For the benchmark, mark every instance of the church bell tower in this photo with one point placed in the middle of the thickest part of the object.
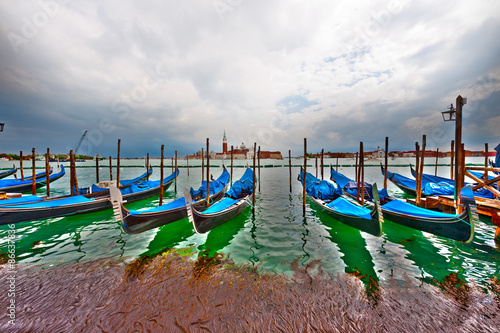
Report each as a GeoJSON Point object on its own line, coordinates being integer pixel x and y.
{"type": "Point", "coordinates": [224, 143]}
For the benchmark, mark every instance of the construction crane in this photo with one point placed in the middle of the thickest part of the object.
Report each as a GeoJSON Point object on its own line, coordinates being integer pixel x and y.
{"type": "Point", "coordinates": [80, 142]}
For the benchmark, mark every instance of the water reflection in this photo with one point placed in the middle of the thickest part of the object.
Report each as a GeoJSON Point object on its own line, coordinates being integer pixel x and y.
{"type": "Point", "coordinates": [352, 246]}
{"type": "Point", "coordinates": [219, 238]}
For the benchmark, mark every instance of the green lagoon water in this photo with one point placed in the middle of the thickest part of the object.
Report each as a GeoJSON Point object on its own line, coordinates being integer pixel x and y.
{"type": "Point", "coordinates": [272, 240]}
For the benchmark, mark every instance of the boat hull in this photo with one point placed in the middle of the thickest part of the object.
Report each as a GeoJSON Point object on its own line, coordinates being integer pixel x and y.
{"type": "Point", "coordinates": [12, 214]}
{"type": "Point", "coordinates": [373, 226]}
{"type": "Point", "coordinates": [203, 223]}
{"type": "Point", "coordinates": [137, 223]}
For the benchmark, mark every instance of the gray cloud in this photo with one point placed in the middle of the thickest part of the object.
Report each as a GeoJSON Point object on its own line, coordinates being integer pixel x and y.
{"type": "Point", "coordinates": [175, 73]}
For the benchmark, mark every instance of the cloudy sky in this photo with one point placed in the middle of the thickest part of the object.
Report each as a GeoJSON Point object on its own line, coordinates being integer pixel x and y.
{"type": "Point", "coordinates": [274, 72]}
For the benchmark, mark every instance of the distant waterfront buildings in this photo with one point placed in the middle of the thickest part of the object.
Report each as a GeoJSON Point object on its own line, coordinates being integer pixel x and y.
{"type": "Point", "coordinates": [239, 153]}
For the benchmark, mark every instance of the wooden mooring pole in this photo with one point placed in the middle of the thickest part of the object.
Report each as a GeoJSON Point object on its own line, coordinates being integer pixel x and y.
{"type": "Point", "coordinates": [187, 163]}
{"type": "Point", "coordinates": [33, 186]}
{"type": "Point", "coordinates": [97, 169]}
{"type": "Point", "coordinates": [290, 168]}
{"type": "Point", "coordinates": [208, 175]}
{"type": "Point", "coordinates": [485, 175]}
{"type": "Point", "coordinates": [417, 170]}
{"type": "Point", "coordinates": [322, 164]}
{"type": "Point", "coordinates": [175, 170]}
{"type": "Point", "coordinates": [110, 169]}
{"type": "Point", "coordinates": [452, 155]}
{"type": "Point", "coordinates": [258, 166]}
{"type": "Point", "coordinates": [386, 160]}
{"type": "Point", "coordinates": [118, 165]}
{"type": "Point", "coordinates": [21, 164]}
{"type": "Point", "coordinates": [161, 174]}
{"type": "Point", "coordinates": [253, 183]}
{"type": "Point", "coordinates": [362, 166]}
{"type": "Point", "coordinates": [47, 175]}
{"type": "Point", "coordinates": [232, 150]}
{"type": "Point", "coordinates": [71, 175]}
{"type": "Point", "coordinates": [316, 164]}
{"type": "Point", "coordinates": [358, 173]}
{"type": "Point", "coordinates": [458, 147]}
{"type": "Point", "coordinates": [147, 166]}
{"type": "Point", "coordinates": [421, 172]}
{"type": "Point", "coordinates": [202, 165]}
{"type": "Point", "coordinates": [305, 178]}
{"type": "Point", "coordinates": [437, 158]}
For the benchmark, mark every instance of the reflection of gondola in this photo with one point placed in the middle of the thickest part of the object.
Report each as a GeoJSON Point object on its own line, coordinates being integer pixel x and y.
{"type": "Point", "coordinates": [40, 239]}
{"type": "Point", "coordinates": [220, 237]}
{"type": "Point", "coordinates": [352, 245]}
{"type": "Point", "coordinates": [168, 236]}
{"type": "Point", "coordinates": [137, 221]}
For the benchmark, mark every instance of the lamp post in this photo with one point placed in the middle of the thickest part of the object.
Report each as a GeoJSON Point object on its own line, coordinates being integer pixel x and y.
{"type": "Point", "coordinates": [455, 114]}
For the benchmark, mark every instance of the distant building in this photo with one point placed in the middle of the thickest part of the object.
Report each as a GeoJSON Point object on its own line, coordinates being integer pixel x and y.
{"type": "Point", "coordinates": [241, 152]}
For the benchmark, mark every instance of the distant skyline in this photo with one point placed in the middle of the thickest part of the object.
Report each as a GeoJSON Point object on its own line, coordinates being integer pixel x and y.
{"type": "Point", "coordinates": [271, 72]}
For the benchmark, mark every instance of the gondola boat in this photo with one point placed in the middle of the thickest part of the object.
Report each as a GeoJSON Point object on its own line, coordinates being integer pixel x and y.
{"type": "Point", "coordinates": [94, 191]}
{"type": "Point", "coordinates": [22, 186]}
{"type": "Point", "coordinates": [71, 205]}
{"type": "Point", "coordinates": [101, 189]}
{"type": "Point", "coordinates": [330, 199]}
{"type": "Point", "coordinates": [407, 185]}
{"type": "Point", "coordinates": [7, 173]}
{"type": "Point", "coordinates": [431, 179]}
{"type": "Point", "coordinates": [458, 227]}
{"type": "Point", "coordinates": [137, 221]}
{"type": "Point", "coordinates": [236, 200]}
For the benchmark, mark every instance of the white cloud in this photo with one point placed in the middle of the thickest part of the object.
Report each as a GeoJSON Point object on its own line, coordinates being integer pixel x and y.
{"type": "Point", "coordinates": [178, 65]}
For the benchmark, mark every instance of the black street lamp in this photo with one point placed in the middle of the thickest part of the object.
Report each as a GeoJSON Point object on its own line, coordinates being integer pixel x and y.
{"type": "Point", "coordinates": [450, 114]}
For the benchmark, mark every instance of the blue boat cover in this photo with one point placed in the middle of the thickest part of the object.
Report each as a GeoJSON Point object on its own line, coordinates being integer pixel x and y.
{"type": "Point", "coordinates": [320, 189]}
{"type": "Point", "coordinates": [139, 186]}
{"type": "Point", "coordinates": [25, 198]}
{"type": "Point", "coordinates": [438, 189]}
{"type": "Point", "coordinates": [16, 182]}
{"type": "Point", "coordinates": [405, 181]}
{"type": "Point", "coordinates": [345, 206]}
{"type": "Point", "coordinates": [340, 178]}
{"type": "Point", "coordinates": [215, 186]}
{"type": "Point", "coordinates": [242, 187]}
{"type": "Point", "coordinates": [351, 187]}
{"type": "Point", "coordinates": [401, 207]}
{"type": "Point", "coordinates": [127, 182]}
{"type": "Point", "coordinates": [221, 205]}
{"type": "Point", "coordinates": [179, 203]}
{"type": "Point", "coordinates": [53, 203]}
